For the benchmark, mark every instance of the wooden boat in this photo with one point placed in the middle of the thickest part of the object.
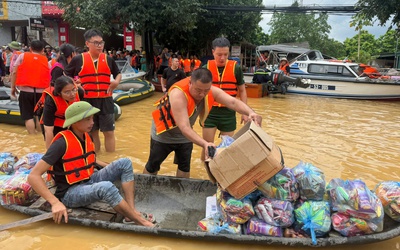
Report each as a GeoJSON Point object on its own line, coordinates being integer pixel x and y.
{"type": "Point", "coordinates": [10, 113]}
{"type": "Point", "coordinates": [178, 204]}
{"type": "Point", "coordinates": [330, 77]}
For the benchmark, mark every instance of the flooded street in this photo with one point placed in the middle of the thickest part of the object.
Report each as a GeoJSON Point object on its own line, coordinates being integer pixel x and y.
{"type": "Point", "coordinates": [345, 138]}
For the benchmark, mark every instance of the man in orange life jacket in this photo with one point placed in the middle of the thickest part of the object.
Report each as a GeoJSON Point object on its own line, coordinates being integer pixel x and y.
{"type": "Point", "coordinates": [70, 160]}
{"type": "Point", "coordinates": [93, 69]}
{"type": "Point", "coordinates": [284, 66]}
{"type": "Point", "coordinates": [228, 76]}
{"type": "Point", "coordinates": [176, 113]}
{"type": "Point", "coordinates": [31, 74]}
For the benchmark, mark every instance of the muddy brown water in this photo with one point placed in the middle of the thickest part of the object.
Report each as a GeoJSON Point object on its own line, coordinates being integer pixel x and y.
{"type": "Point", "coordinates": [345, 138]}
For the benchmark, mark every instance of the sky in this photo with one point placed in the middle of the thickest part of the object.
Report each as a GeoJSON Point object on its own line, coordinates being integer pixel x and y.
{"type": "Point", "coordinates": [340, 24]}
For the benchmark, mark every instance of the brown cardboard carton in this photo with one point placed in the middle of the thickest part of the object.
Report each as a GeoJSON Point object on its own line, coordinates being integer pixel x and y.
{"type": "Point", "coordinates": [249, 161]}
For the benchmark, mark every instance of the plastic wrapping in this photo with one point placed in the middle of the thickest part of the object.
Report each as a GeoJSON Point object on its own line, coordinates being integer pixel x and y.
{"type": "Point", "coordinates": [7, 162]}
{"type": "Point", "coordinates": [389, 194]}
{"type": "Point", "coordinates": [283, 186]}
{"type": "Point", "coordinates": [275, 212]}
{"type": "Point", "coordinates": [314, 218]}
{"type": "Point", "coordinates": [256, 226]}
{"type": "Point", "coordinates": [311, 181]}
{"type": "Point", "coordinates": [350, 226]}
{"type": "Point", "coordinates": [215, 224]}
{"type": "Point", "coordinates": [353, 198]}
{"type": "Point", "coordinates": [233, 210]}
{"type": "Point", "coordinates": [28, 161]}
{"type": "Point", "coordinates": [17, 190]}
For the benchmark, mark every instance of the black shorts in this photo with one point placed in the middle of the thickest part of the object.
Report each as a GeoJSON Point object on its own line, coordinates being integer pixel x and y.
{"type": "Point", "coordinates": [103, 122]}
{"type": "Point", "coordinates": [159, 151]}
{"type": "Point", "coordinates": [27, 102]}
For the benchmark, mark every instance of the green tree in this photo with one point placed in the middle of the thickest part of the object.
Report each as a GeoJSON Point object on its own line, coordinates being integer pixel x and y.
{"type": "Point", "coordinates": [367, 49]}
{"type": "Point", "coordinates": [382, 10]}
{"type": "Point", "coordinates": [359, 21]}
{"type": "Point", "coordinates": [387, 42]}
{"type": "Point", "coordinates": [299, 27]}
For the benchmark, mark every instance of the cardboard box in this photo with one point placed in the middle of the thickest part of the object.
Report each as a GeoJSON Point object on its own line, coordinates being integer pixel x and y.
{"type": "Point", "coordinates": [255, 90]}
{"type": "Point", "coordinates": [248, 162]}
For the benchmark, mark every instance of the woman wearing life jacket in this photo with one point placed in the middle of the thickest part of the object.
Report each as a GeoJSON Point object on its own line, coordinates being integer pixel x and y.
{"type": "Point", "coordinates": [284, 66]}
{"type": "Point", "coordinates": [57, 100]}
{"type": "Point", "coordinates": [67, 51]}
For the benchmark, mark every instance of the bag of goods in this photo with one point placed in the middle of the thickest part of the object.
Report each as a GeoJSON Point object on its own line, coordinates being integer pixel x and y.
{"type": "Point", "coordinates": [215, 224]}
{"type": "Point", "coordinates": [7, 162]}
{"type": "Point", "coordinates": [256, 226]}
{"type": "Point", "coordinates": [17, 190]}
{"type": "Point", "coordinates": [282, 186]}
{"type": "Point", "coordinates": [389, 194]}
{"type": "Point", "coordinates": [275, 212]}
{"type": "Point", "coordinates": [233, 210]}
{"type": "Point", "coordinates": [313, 217]}
{"type": "Point", "coordinates": [350, 226]}
{"type": "Point", "coordinates": [28, 161]}
{"type": "Point", "coordinates": [353, 198]}
{"type": "Point", "coordinates": [311, 181]}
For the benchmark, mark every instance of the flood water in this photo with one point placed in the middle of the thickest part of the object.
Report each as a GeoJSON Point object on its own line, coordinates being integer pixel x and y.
{"type": "Point", "coordinates": [345, 138]}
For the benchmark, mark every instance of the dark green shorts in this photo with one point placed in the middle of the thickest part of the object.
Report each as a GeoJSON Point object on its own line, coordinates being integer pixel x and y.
{"type": "Point", "coordinates": [223, 119]}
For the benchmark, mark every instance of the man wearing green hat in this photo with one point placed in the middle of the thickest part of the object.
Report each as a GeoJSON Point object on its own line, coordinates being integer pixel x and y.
{"type": "Point", "coordinates": [70, 160]}
{"type": "Point", "coordinates": [15, 48]}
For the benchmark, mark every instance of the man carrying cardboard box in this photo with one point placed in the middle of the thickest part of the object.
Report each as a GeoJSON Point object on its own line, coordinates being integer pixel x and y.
{"type": "Point", "coordinates": [177, 112]}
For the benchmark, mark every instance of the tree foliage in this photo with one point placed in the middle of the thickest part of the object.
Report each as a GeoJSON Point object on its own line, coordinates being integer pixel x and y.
{"type": "Point", "coordinates": [299, 27]}
{"type": "Point", "coordinates": [178, 24]}
{"type": "Point", "coordinates": [382, 10]}
{"type": "Point", "coordinates": [387, 43]}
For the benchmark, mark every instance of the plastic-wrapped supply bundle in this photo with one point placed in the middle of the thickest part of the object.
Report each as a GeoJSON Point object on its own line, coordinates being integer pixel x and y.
{"type": "Point", "coordinates": [256, 226]}
{"type": "Point", "coordinates": [28, 161]}
{"type": "Point", "coordinates": [311, 181]}
{"type": "Point", "coordinates": [7, 162]}
{"type": "Point", "coordinates": [353, 198]}
{"type": "Point", "coordinates": [389, 194]}
{"type": "Point", "coordinates": [216, 225]}
{"type": "Point", "coordinates": [17, 190]}
{"type": "Point", "coordinates": [275, 212]}
{"type": "Point", "coordinates": [350, 226]}
{"type": "Point", "coordinates": [283, 186]}
{"type": "Point", "coordinates": [233, 210]}
{"type": "Point", "coordinates": [314, 218]}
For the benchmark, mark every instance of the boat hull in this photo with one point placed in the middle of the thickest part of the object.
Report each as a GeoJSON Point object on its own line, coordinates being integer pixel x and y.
{"type": "Point", "coordinates": [178, 204]}
{"type": "Point", "coordinates": [347, 88]}
{"type": "Point", "coordinates": [133, 91]}
{"type": "Point", "coordinates": [10, 113]}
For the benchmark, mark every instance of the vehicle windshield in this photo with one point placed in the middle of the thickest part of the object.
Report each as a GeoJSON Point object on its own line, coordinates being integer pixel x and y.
{"type": "Point", "coordinates": [125, 67]}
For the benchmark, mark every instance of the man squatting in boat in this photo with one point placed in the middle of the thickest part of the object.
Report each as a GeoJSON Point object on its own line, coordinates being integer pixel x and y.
{"type": "Point", "coordinates": [71, 159]}
{"type": "Point", "coordinates": [177, 112]}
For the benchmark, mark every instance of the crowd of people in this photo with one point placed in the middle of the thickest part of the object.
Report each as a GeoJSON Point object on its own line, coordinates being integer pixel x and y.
{"type": "Point", "coordinates": [71, 92]}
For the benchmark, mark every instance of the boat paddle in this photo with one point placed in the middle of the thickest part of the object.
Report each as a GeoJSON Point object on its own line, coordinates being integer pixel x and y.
{"type": "Point", "coordinates": [37, 218]}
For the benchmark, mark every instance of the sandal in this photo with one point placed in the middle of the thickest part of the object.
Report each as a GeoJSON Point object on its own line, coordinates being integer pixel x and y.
{"type": "Point", "coordinates": [146, 216]}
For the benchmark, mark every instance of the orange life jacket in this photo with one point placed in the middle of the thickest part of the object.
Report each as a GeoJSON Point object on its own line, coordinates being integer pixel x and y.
{"type": "Point", "coordinates": [196, 64]}
{"type": "Point", "coordinates": [186, 65]}
{"type": "Point", "coordinates": [227, 81]}
{"type": "Point", "coordinates": [78, 162]}
{"type": "Point", "coordinates": [33, 71]}
{"type": "Point", "coordinates": [61, 106]}
{"type": "Point", "coordinates": [163, 117]}
{"type": "Point", "coordinates": [95, 81]}
{"type": "Point", "coordinates": [283, 68]}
